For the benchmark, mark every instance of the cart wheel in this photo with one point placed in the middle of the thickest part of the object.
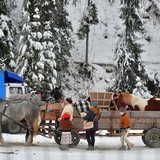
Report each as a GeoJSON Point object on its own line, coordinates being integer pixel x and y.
{"type": "Point", "coordinates": [143, 137]}
{"type": "Point", "coordinates": [57, 137]}
{"type": "Point", "coordinates": [75, 138]}
{"type": "Point", "coordinates": [152, 138]}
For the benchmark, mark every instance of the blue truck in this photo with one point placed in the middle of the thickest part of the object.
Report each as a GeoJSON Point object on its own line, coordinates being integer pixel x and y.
{"type": "Point", "coordinates": [11, 83]}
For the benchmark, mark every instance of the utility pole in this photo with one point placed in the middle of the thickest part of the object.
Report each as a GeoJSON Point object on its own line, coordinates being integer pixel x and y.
{"type": "Point", "coordinates": [87, 37]}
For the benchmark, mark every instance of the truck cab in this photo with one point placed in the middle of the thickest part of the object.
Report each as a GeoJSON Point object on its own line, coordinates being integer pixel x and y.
{"type": "Point", "coordinates": [15, 88]}
{"type": "Point", "coordinates": [11, 83]}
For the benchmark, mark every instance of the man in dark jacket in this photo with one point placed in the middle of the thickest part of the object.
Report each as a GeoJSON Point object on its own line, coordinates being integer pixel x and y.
{"type": "Point", "coordinates": [92, 115]}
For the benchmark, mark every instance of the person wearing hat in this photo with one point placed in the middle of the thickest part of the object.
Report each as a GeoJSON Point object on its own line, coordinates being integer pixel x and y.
{"type": "Point", "coordinates": [93, 114]}
{"type": "Point", "coordinates": [65, 125]}
{"type": "Point", "coordinates": [68, 107]}
{"type": "Point", "coordinates": [124, 129]}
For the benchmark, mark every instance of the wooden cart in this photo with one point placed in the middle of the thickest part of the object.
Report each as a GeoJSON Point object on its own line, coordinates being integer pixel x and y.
{"type": "Point", "coordinates": [49, 127]}
{"type": "Point", "coordinates": [148, 121]}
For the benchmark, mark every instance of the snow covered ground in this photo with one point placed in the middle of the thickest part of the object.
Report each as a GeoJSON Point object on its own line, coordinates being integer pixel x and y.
{"type": "Point", "coordinates": [106, 149]}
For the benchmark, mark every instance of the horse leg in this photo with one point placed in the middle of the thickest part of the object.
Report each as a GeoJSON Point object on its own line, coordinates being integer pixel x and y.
{"type": "Point", "coordinates": [29, 134]}
{"type": "Point", "coordinates": [1, 137]}
{"type": "Point", "coordinates": [33, 127]}
{"type": "Point", "coordinates": [136, 108]}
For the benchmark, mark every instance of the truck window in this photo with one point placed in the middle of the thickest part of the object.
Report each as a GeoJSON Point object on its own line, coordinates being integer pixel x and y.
{"type": "Point", "coordinates": [15, 90]}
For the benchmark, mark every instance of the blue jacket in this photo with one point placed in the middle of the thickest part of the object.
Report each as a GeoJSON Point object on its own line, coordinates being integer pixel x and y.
{"type": "Point", "coordinates": [90, 117]}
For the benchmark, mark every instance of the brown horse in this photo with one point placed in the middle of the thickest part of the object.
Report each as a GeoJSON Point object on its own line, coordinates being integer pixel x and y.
{"type": "Point", "coordinates": [153, 104]}
{"type": "Point", "coordinates": [57, 94]}
{"type": "Point", "coordinates": [137, 103]}
{"type": "Point", "coordinates": [21, 110]}
{"type": "Point", "coordinates": [132, 101]}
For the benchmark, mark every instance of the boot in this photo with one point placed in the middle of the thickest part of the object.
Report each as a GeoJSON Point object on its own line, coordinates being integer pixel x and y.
{"type": "Point", "coordinates": [122, 148]}
{"type": "Point", "coordinates": [130, 145]}
{"type": "Point", "coordinates": [63, 147]}
{"type": "Point", "coordinates": [90, 148]}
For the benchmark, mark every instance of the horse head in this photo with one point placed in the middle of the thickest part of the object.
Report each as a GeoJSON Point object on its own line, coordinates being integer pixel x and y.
{"type": "Point", "coordinates": [122, 99]}
{"type": "Point", "coordinates": [119, 100]}
{"type": "Point", "coordinates": [57, 94]}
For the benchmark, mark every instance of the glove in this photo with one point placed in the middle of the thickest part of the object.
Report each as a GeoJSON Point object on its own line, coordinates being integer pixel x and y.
{"type": "Point", "coordinates": [83, 114]}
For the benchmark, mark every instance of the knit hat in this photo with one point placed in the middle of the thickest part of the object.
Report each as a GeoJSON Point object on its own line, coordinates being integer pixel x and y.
{"type": "Point", "coordinates": [122, 109]}
{"type": "Point", "coordinates": [94, 104]}
{"type": "Point", "coordinates": [69, 100]}
{"type": "Point", "coordinates": [65, 116]}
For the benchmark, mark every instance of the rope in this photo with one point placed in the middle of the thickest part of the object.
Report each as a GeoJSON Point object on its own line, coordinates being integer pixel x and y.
{"type": "Point", "coordinates": [22, 125]}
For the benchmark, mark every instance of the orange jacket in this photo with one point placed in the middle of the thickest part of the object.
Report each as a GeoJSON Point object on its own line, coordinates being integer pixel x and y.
{"type": "Point", "coordinates": [124, 121]}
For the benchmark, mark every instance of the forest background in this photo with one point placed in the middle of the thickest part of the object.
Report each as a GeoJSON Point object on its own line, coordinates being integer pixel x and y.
{"type": "Point", "coordinates": [82, 45]}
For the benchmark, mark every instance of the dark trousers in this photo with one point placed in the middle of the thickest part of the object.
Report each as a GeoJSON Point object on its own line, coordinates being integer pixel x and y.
{"type": "Point", "coordinates": [90, 136]}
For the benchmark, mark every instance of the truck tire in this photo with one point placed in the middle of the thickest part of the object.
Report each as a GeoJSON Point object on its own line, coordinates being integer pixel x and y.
{"type": "Point", "coordinates": [75, 138]}
{"type": "Point", "coordinates": [143, 137]}
{"type": "Point", "coordinates": [152, 138]}
{"type": "Point", "coordinates": [13, 128]}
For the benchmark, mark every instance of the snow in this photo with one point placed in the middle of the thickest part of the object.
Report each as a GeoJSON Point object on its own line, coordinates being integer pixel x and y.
{"type": "Point", "coordinates": [1, 33]}
{"type": "Point", "coordinates": [102, 41]}
{"type": "Point", "coordinates": [100, 48]}
{"type": "Point", "coordinates": [44, 148]}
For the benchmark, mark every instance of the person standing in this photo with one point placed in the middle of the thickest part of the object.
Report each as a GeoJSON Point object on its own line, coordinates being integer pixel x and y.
{"type": "Point", "coordinates": [68, 107]}
{"type": "Point", "coordinates": [124, 129]}
{"type": "Point", "coordinates": [65, 125]}
{"type": "Point", "coordinates": [92, 115]}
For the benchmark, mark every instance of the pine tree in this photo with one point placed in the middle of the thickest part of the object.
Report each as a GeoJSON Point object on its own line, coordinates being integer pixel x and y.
{"type": "Point", "coordinates": [89, 18]}
{"type": "Point", "coordinates": [36, 58]}
{"type": "Point", "coordinates": [63, 42]}
{"type": "Point", "coordinates": [128, 49]}
{"type": "Point", "coordinates": [7, 34]}
{"type": "Point", "coordinates": [45, 43]}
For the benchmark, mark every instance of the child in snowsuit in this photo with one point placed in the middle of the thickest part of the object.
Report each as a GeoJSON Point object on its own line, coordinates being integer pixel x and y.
{"type": "Point", "coordinates": [124, 129]}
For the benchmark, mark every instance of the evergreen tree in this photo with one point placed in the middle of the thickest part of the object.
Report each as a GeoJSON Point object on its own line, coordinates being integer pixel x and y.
{"type": "Point", "coordinates": [45, 43]}
{"type": "Point", "coordinates": [7, 34]}
{"type": "Point", "coordinates": [63, 42]}
{"type": "Point", "coordinates": [36, 58]}
{"type": "Point", "coordinates": [89, 18]}
{"type": "Point", "coordinates": [128, 50]}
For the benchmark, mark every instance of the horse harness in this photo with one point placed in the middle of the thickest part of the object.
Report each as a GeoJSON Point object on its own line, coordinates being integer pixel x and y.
{"type": "Point", "coordinates": [3, 114]}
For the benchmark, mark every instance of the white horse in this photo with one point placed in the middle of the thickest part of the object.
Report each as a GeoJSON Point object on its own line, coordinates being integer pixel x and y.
{"type": "Point", "coordinates": [131, 100]}
{"type": "Point", "coordinates": [21, 110]}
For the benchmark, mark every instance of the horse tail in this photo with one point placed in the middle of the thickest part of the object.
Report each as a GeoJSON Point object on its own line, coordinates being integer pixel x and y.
{"type": "Point", "coordinates": [36, 124]}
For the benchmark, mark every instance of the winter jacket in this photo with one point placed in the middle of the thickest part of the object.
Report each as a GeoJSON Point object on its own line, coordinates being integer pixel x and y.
{"type": "Point", "coordinates": [124, 121]}
{"type": "Point", "coordinates": [68, 108]}
{"type": "Point", "coordinates": [93, 115]}
{"type": "Point", "coordinates": [65, 125]}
